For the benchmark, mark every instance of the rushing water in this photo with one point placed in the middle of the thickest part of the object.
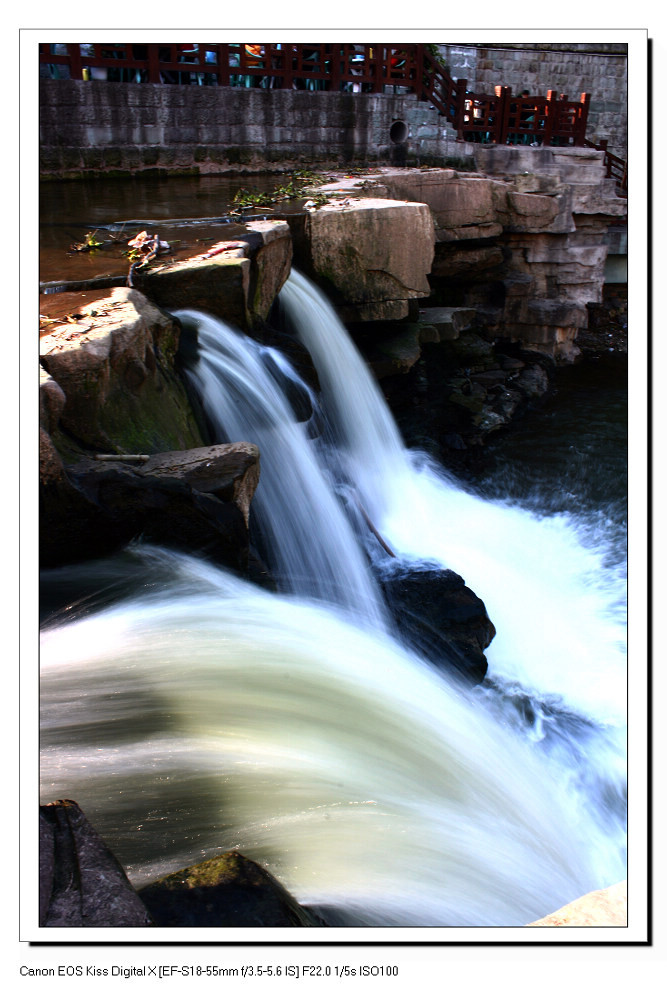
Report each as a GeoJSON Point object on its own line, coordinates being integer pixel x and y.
{"type": "Point", "coordinates": [192, 712]}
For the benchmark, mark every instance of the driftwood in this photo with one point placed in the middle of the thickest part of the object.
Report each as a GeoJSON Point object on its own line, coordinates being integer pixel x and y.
{"type": "Point", "coordinates": [122, 458]}
{"type": "Point", "coordinates": [370, 524]}
{"type": "Point", "coordinates": [88, 284]}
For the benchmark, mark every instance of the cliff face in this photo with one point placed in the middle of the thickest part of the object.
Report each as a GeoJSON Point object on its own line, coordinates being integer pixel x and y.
{"type": "Point", "coordinates": [522, 241]}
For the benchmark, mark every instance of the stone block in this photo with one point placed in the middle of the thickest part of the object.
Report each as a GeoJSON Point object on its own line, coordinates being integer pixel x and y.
{"type": "Point", "coordinates": [359, 249]}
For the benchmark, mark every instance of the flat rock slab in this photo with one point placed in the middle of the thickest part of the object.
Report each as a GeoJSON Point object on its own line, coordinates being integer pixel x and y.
{"type": "Point", "coordinates": [235, 280]}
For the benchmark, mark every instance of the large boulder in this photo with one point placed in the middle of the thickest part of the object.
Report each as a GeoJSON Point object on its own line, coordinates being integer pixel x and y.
{"type": "Point", "coordinates": [81, 884]}
{"type": "Point", "coordinates": [439, 617]}
{"type": "Point", "coordinates": [117, 388]}
{"type": "Point", "coordinates": [373, 256]}
{"type": "Point", "coordinates": [226, 891]}
{"type": "Point", "coordinates": [217, 284]}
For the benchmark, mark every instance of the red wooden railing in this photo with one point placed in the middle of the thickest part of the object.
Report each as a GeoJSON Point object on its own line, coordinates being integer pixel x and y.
{"type": "Point", "coordinates": [500, 117]}
{"type": "Point", "coordinates": [614, 165]}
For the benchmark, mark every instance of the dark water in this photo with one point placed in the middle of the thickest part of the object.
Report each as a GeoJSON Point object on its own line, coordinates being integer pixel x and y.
{"type": "Point", "coordinates": [575, 441]}
{"type": "Point", "coordinates": [70, 210]}
{"type": "Point", "coordinates": [570, 454]}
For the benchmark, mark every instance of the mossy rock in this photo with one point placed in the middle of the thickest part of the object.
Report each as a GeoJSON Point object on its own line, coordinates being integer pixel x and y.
{"type": "Point", "coordinates": [226, 891]}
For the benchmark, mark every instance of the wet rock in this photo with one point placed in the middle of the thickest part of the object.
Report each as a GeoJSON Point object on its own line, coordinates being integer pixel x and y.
{"type": "Point", "coordinates": [227, 891]}
{"type": "Point", "coordinates": [532, 381]}
{"type": "Point", "coordinates": [439, 617]}
{"type": "Point", "coordinates": [81, 884]}
{"type": "Point", "coordinates": [196, 500]}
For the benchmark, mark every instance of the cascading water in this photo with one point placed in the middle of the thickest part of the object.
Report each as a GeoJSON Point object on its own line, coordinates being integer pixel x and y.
{"type": "Point", "coordinates": [312, 547]}
{"type": "Point", "coordinates": [200, 714]}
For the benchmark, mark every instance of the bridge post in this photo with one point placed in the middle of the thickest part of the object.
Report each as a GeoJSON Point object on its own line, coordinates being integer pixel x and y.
{"type": "Point", "coordinates": [459, 113]}
{"type": "Point", "coordinates": [153, 63]}
{"type": "Point", "coordinates": [551, 116]}
{"type": "Point", "coordinates": [335, 64]}
{"type": "Point", "coordinates": [419, 70]}
{"type": "Point", "coordinates": [582, 120]}
{"type": "Point", "coordinates": [75, 62]}
{"type": "Point", "coordinates": [502, 117]}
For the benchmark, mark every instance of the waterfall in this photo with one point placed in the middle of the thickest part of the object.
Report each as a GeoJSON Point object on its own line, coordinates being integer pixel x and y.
{"type": "Point", "coordinates": [365, 436]}
{"type": "Point", "coordinates": [197, 713]}
{"type": "Point", "coordinates": [310, 542]}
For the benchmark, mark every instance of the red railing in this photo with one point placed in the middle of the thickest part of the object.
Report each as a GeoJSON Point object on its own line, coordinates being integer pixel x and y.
{"type": "Point", "coordinates": [503, 118]}
{"type": "Point", "coordinates": [614, 165]}
{"type": "Point", "coordinates": [496, 118]}
{"type": "Point", "coordinates": [334, 66]}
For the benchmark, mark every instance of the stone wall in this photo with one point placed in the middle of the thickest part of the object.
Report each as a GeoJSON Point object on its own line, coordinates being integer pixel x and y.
{"type": "Point", "coordinates": [124, 128]}
{"type": "Point", "coordinates": [117, 127]}
{"type": "Point", "coordinates": [600, 70]}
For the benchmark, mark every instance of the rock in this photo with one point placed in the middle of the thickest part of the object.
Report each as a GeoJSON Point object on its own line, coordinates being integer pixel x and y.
{"type": "Point", "coordinates": [116, 372]}
{"type": "Point", "coordinates": [439, 617]}
{"type": "Point", "coordinates": [448, 321]}
{"type": "Point", "coordinates": [227, 891]}
{"type": "Point", "coordinates": [270, 265]}
{"type": "Point", "coordinates": [218, 285]}
{"type": "Point", "coordinates": [452, 260]}
{"type": "Point", "coordinates": [229, 472]}
{"type": "Point", "coordinates": [71, 527]}
{"type": "Point", "coordinates": [238, 284]}
{"type": "Point", "coordinates": [531, 212]}
{"type": "Point", "coordinates": [399, 353]}
{"type": "Point", "coordinates": [532, 225]}
{"type": "Point", "coordinates": [456, 200]}
{"type": "Point", "coordinates": [196, 500]}
{"type": "Point", "coordinates": [532, 381]}
{"type": "Point", "coordinates": [372, 256]}
{"type": "Point", "coordinates": [601, 908]}
{"type": "Point", "coordinates": [51, 401]}
{"type": "Point", "coordinates": [81, 884]}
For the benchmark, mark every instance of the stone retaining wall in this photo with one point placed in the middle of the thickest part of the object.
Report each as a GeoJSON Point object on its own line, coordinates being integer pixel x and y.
{"type": "Point", "coordinates": [120, 128]}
